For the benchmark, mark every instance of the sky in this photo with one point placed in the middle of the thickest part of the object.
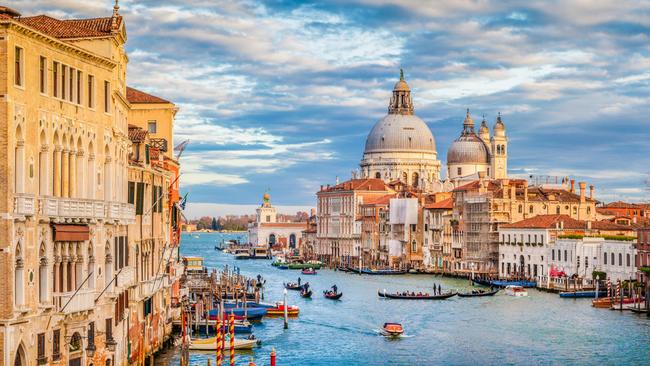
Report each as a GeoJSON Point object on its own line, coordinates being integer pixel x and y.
{"type": "Point", "coordinates": [279, 96]}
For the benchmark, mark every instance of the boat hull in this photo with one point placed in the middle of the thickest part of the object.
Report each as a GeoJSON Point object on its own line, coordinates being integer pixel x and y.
{"type": "Point", "coordinates": [416, 297]}
{"type": "Point", "coordinates": [581, 294]}
{"type": "Point", "coordinates": [210, 344]}
{"type": "Point", "coordinates": [487, 293]}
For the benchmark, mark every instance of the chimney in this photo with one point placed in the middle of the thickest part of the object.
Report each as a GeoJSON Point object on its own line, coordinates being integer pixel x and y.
{"type": "Point", "coordinates": [337, 180]}
{"type": "Point", "coordinates": [573, 186]}
{"type": "Point", "coordinates": [116, 14]}
{"type": "Point", "coordinates": [591, 191]}
{"type": "Point", "coordinates": [481, 175]}
{"type": "Point", "coordinates": [525, 191]}
{"type": "Point", "coordinates": [321, 187]}
{"type": "Point", "coordinates": [583, 187]}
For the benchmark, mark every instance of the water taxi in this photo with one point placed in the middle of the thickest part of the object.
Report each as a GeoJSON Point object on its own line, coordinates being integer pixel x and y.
{"type": "Point", "coordinates": [292, 310]}
{"type": "Point", "coordinates": [210, 344]}
{"type": "Point", "coordinates": [242, 253]}
{"type": "Point", "coordinates": [392, 330]}
{"type": "Point", "coordinates": [260, 253]}
{"type": "Point", "coordinates": [517, 291]}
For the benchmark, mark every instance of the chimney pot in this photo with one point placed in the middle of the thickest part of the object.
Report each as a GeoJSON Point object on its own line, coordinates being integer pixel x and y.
{"type": "Point", "coordinates": [591, 191]}
{"type": "Point", "coordinates": [583, 186]}
{"type": "Point", "coordinates": [573, 186]}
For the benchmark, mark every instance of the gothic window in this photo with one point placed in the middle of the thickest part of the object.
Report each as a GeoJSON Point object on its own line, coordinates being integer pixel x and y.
{"type": "Point", "coordinates": [557, 210]}
{"type": "Point", "coordinates": [42, 274]}
{"type": "Point", "coordinates": [530, 209]}
{"type": "Point", "coordinates": [605, 258]}
{"type": "Point", "coordinates": [416, 178]}
{"type": "Point", "coordinates": [612, 259]}
{"type": "Point", "coordinates": [498, 149]}
{"type": "Point", "coordinates": [405, 178]}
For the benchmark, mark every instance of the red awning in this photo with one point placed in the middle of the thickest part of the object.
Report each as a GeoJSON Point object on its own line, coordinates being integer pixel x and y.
{"type": "Point", "coordinates": [71, 232]}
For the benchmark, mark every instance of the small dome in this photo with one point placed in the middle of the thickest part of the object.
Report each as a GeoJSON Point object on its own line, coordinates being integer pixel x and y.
{"type": "Point", "coordinates": [266, 197]}
{"type": "Point", "coordinates": [484, 128]}
{"type": "Point", "coordinates": [401, 86]}
{"type": "Point", "coordinates": [399, 132]}
{"type": "Point", "coordinates": [499, 127]}
{"type": "Point", "coordinates": [468, 149]}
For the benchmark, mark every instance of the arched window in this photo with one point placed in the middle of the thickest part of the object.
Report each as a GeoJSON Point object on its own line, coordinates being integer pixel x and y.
{"type": "Point", "coordinates": [521, 209]}
{"type": "Point", "coordinates": [416, 179]}
{"type": "Point", "coordinates": [90, 172]}
{"type": "Point", "coordinates": [460, 171]}
{"type": "Point", "coordinates": [566, 257]}
{"type": "Point", "coordinates": [272, 239]}
{"type": "Point", "coordinates": [107, 174]}
{"type": "Point", "coordinates": [405, 178]}
{"type": "Point", "coordinates": [620, 259]}
{"type": "Point", "coordinates": [503, 149]}
{"type": "Point", "coordinates": [19, 284]}
{"type": "Point", "coordinates": [42, 166]}
{"type": "Point", "coordinates": [627, 260]}
{"type": "Point", "coordinates": [42, 274]}
{"type": "Point", "coordinates": [20, 359]}
{"type": "Point", "coordinates": [91, 266]}
{"type": "Point", "coordinates": [498, 149]}
{"type": "Point", "coordinates": [605, 258]}
{"type": "Point", "coordinates": [557, 210]}
{"type": "Point", "coordinates": [378, 175]}
{"type": "Point", "coordinates": [612, 259]}
{"type": "Point", "coordinates": [530, 209]}
{"type": "Point", "coordinates": [56, 166]}
{"type": "Point", "coordinates": [108, 266]}
{"type": "Point", "coordinates": [292, 241]}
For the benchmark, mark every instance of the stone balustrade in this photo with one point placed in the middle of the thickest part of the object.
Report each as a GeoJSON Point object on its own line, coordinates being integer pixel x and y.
{"type": "Point", "coordinates": [83, 208]}
{"type": "Point", "coordinates": [24, 204]}
{"type": "Point", "coordinates": [126, 277]}
{"type": "Point", "coordinates": [69, 302]}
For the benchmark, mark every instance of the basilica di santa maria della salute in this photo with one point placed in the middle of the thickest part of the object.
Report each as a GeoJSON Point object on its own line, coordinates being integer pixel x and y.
{"type": "Point", "coordinates": [402, 147]}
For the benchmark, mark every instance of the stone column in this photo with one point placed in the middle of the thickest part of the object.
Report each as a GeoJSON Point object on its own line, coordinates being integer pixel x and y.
{"type": "Point", "coordinates": [72, 179]}
{"type": "Point", "coordinates": [64, 263]}
{"type": "Point", "coordinates": [55, 275]}
{"type": "Point", "coordinates": [65, 173]}
{"type": "Point", "coordinates": [57, 172]}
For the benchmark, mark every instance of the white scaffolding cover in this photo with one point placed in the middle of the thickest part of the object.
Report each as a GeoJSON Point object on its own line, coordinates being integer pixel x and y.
{"type": "Point", "coordinates": [394, 248]}
{"type": "Point", "coordinates": [404, 211]}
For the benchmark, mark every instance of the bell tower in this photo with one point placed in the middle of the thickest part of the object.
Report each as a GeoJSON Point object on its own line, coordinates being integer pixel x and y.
{"type": "Point", "coordinates": [499, 147]}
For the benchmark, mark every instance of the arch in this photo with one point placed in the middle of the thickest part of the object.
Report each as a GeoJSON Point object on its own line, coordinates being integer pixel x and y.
{"type": "Point", "coordinates": [43, 181]}
{"type": "Point", "coordinates": [498, 149]}
{"type": "Point", "coordinates": [292, 241]}
{"type": "Point", "coordinates": [520, 209]}
{"type": "Point", "coordinates": [378, 175]}
{"type": "Point", "coordinates": [42, 274]}
{"type": "Point", "coordinates": [272, 240]}
{"type": "Point", "coordinates": [557, 209]}
{"type": "Point", "coordinates": [108, 265]}
{"type": "Point", "coordinates": [405, 178]}
{"type": "Point", "coordinates": [19, 284]}
{"type": "Point", "coordinates": [416, 179]}
{"type": "Point", "coordinates": [20, 358]}
{"type": "Point", "coordinates": [91, 266]}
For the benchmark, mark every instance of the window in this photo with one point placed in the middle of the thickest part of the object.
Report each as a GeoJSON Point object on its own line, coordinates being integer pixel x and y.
{"type": "Point", "coordinates": [91, 91]}
{"type": "Point", "coordinates": [151, 126]}
{"type": "Point", "coordinates": [18, 70]}
{"type": "Point", "coordinates": [586, 262]}
{"type": "Point", "coordinates": [91, 335]}
{"type": "Point", "coordinates": [139, 203]}
{"type": "Point", "coordinates": [109, 330]}
{"type": "Point", "coordinates": [460, 170]}
{"type": "Point", "coordinates": [79, 80]}
{"type": "Point", "coordinates": [605, 258]}
{"type": "Point", "coordinates": [131, 194]}
{"type": "Point", "coordinates": [553, 254]}
{"type": "Point", "coordinates": [566, 257]}
{"type": "Point", "coordinates": [414, 246]}
{"type": "Point", "coordinates": [530, 209]}
{"type": "Point", "coordinates": [63, 80]}
{"type": "Point", "coordinates": [55, 79]}
{"type": "Point", "coordinates": [107, 97]}
{"type": "Point", "coordinates": [56, 345]}
{"type": "Point", "coordinates": [612, 258]}
{"type": "Point", "coordinates": [378, 175]}
{"type": "Point", "coordinates": [72, 84]}
{"type": "Point", "coordinates": [557, 210]}
{"type": "Point", "coordinates": [42, 72]}
{"type": "Point", "coordinates": [41, 360]}
{"type": "Point", "coordinates": [146, 153]}
{"type": "Point", "coordinates": [620, 259]}
{"type": "Point", "coordinates": [627, 260]}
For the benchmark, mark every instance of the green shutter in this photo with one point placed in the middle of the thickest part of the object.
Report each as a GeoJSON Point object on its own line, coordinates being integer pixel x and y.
{"type": "Point", "coordinates": [139, 204]}
{"type": "Point", "coordinates": [146, 153]}
{"type": "Point", "coordinates": [131, 192]}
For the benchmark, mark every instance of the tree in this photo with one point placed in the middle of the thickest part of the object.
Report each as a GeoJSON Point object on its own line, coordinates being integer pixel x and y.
{"type": "Point", "coordinates": [215, 224]}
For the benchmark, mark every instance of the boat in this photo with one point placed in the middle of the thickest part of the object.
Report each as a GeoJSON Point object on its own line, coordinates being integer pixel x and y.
{"type": "Point", "coordinates": [392, 330]}
{"type": "Point", "coordinates": [284, 266]}
{"type": "Point", "coordinates": [582, 294]}
{"type": "Point", "coordinates": [231, 296]}
{"type": "Point", "coordinates": [479, 293]}
{"type": "Point", "coordinates": [279, 263]}
{"type": "Point", "coordinates": [516, 291]}
{"type": "Point", "coordinates": [241, 326]}
{"type": "Point", "coordinates": [308, 271]}
{"type": "Point", "coordinates": [249, 313]}
{"type": "Point", "coordinates": [305, 294]}
{"type": "Point", "coordinates": [342, 269]}
{"type": "Point", "coordinates": [385, 272]}
{"type": "Point", "coordinates": [242, 254]}
{"type": "Point", "coordinates": [303, 266]}
{"type": "Point", "coordinates": [504, 283]}
{"type": "Point", "coordinates": [259, 253]}
{"type": "Point", "coordinates": [292, 310]}
{"type": "Point", "coordinates": [210, 344]}
{"type": "Point", "coordinates": [249, 304]}
{"type": "Point", "coordinates": [292, 286]}
{"type": "Point", "coordinates": [332, 295]}
{"type": "Point", "coordinates": [419, 296]}
{"type": "Point", "coordinates": [607, 302]}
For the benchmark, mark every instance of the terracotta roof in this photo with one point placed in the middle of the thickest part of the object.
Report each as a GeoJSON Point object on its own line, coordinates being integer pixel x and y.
{"type": "Point", "coordinates": [372, 184]}
{"type": "Point", "coordinates": [446, 204]}
{"type": "Point", "coordinates": [546, 222]}
{"type": "Point", "coordinates": [609, 225]}
{"type": "Point", "coordinates": [71, 28]}
{"type": "Point", "coordinates": [137, 134]}
{"type": "Point", "coordinates": [383, 200]}
{"type": "Point", "coordinates": [136, 96]}
{"type": "Point", "coordinates": [621, 204]}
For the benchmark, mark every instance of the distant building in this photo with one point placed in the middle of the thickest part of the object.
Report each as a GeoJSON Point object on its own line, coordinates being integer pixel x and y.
{"type": "Point", "coordinates": [643, 254]}
{"type": "Point", "coordinates": [439, 235]}
{"type": "Point", "coordinates": [269, 232]}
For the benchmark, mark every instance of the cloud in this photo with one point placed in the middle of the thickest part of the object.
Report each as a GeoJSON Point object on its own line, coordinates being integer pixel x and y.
{"type": "Point", "coordinates": [198, 209]}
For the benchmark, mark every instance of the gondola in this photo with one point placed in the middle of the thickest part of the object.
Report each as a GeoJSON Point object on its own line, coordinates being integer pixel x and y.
{"type": "Point", "coordinates": [342, 269]}
{"type": "Point", "coordinates": [305, 294]}
{"type": "Point", "coordinates": [481, 282]}
{"type": "Point", "coordinates": [331, 295]}
{"type": "Point", "coordinates": [418, 297]}
{"type": "Point", "coordinates": [379, 272]}
{"type": "Point", "coordinates": [479, 293]}
{"type": "Point", "coordinates": [293, 286]}
{"type": "Point", "coordinates": [230, 296]}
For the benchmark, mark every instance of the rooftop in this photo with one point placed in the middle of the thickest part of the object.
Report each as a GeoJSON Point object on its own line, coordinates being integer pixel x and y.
{"type": "Point", "coordinates": [446, 204]}
{"type": "Point", "coordinates": [72, 28]}
{"type": "Point", "coordinates": [135, 96]}
{"type": "Point", "coordinates": [371, 184]}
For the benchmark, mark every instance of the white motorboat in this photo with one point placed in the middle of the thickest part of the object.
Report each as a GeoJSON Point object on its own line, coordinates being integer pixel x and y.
{"type": "Point", "coordinates": [210, 344]}
{"type": "Point", "coordinates": [516, 291]}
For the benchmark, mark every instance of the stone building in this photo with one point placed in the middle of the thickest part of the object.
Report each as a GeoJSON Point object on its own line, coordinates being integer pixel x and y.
{"type": "Point", "coordinates": [439, 235]}
{"type": "Point", "coordinates": [268, 231]}
{"type": "Point", "coordinates": [374, 215]}
{"type": "Point", "coordinates": [339, 219]}
{"type": "Point", "coordinates": [401, 146]}
{"type": "Point", "coordinates": [68, 267]}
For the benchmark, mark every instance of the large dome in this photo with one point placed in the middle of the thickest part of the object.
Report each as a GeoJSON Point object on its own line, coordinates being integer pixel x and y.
{"type": "Point", "coordinates": [468, 149]}
{"type": "Point", "coordinates": [400, 132]}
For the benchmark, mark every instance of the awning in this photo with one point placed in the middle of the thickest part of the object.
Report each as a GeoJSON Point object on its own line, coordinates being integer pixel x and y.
{"type": "Point", "coordinates": [71, 232]}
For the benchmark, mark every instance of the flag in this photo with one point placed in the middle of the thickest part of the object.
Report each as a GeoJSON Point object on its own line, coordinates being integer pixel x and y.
{"type": "Point", "coordinates": [183, 201]}
{"type": "Point", "coordinates": [180, 148]}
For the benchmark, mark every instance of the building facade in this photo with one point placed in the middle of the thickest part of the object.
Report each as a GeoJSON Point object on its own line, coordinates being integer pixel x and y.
{"type": "Point", "coordinates": [267, 231]}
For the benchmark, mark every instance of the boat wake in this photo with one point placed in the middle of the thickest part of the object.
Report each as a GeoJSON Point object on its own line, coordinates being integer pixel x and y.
{"type": "Point", "coordinates": [378, 332]}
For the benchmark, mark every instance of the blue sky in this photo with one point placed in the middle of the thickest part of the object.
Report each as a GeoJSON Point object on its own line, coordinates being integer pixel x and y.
{"type": "Point", "coordinates": [280, 95]}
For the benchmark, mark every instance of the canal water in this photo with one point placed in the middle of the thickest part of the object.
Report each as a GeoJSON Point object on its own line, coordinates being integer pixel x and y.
{"type": "Point", "coordinates": [540, 329]}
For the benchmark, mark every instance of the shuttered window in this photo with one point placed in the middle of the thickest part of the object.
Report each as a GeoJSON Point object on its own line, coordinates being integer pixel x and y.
{"type": "Point", "coordinates": [132, 192]}
{"type": "Point", "coordinates": [139, 203]}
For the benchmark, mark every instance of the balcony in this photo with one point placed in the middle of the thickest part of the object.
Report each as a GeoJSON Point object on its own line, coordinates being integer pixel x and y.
{"type": "Point", "coordinates": [126, 277]}
{"type": "Point", "coordinates": [159, 143]}
{"type": "Point", "coordinates": [84, 300]}
{"type": "Point", "coordinates": [24, 204]}
{"type": "Point", "coordinates": [78, 209]}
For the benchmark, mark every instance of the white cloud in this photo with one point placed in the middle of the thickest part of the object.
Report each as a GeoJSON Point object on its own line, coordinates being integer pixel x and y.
{"type": "Point", "coordinates": [198, 209]}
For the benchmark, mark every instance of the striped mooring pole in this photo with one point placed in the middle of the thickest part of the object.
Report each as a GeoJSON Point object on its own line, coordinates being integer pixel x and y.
{"type": "Point", "coordinates": [232, 338]}
{"type": "Point", "coordinates": [218, 331]}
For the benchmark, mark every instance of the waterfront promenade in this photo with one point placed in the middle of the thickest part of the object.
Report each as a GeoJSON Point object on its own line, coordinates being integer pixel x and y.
{"type": "Point", "coordinates": [540, 329]}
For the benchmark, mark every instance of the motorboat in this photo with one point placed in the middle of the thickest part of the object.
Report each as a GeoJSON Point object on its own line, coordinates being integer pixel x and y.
{"type": "Point", "coordinates": [582, 294]}
{"type": "Point", "coordinates": [259, 253]}
{"type": "Point", "coordinates": [249, 313]}
{"type": "Point", "coordinates": [210, 344]}
{"type": "Point", "coordinates": [503, 283]}
{"type": "Point", "coordinates": [392, 330]}
{"type": "Point", "coordinates": [292, 310]}
{"type": "Point", "coordinates": [308, 271]}
{"type": "Point", "coordinates": [283, 266]}
{"type": "Point", "coordinates": [415, 296]}
{"type": "Point", "coordinates": [607, 302]}
{"type": "Point", "coordinates": [517, 291]}
{"type": "Point", "coordinates": [242, 254]}
{"type": "Point", "coordinates": [332, 295]}
{"type": "Point", "coordinates": [479, 293]}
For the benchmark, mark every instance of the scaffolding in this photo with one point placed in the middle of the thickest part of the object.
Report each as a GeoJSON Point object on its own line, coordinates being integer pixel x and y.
{"type": "Point", "coordinates": [481, 237]}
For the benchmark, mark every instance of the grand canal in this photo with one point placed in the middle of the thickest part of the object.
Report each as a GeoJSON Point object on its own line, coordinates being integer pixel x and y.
{"type": "Point", "coordinates": [540, 329]}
